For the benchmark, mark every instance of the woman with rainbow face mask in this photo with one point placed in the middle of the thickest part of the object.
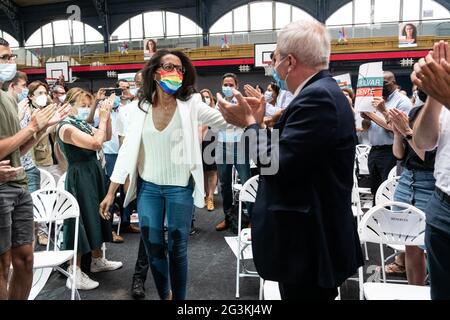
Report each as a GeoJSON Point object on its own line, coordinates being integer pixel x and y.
{"type": "Point", "coordinates": [162, 158]}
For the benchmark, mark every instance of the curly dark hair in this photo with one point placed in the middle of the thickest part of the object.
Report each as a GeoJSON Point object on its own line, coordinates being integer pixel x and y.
{"type": "Point", "coordinates": [148, 77]}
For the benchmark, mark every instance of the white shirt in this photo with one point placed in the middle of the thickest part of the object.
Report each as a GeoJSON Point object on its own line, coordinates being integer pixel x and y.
{"type": "Point", "coordinates": [284, 98]}
{"type": "Point", "coordinates": [122, 120]}
{"type": "Point", "coordinates": [193, 113]}
{"type": "Point", "coordinates": [300, 87]}
{"type": "Point", "coordinates": [442, 163]}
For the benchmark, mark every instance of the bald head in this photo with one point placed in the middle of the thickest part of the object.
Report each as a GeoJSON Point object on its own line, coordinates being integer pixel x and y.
{"type": "Point", "coordinates": [389, 84]}
{"type": "Point", "coordinates": [389, 76]}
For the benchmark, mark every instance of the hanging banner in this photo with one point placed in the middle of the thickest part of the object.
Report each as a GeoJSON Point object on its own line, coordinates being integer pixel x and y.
{"type": "Point", "coordinates": [370, 85]}
{"type": "Point", "coordinates": [149, 48]}
{"type": "Point", "coordinates": [407, 36]}
{"type": "Point", "coordinates": [344, 81]}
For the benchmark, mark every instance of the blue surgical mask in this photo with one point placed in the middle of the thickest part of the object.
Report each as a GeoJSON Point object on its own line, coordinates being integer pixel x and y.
{"type": "Point", "coordinates": [83, 113]}
{"type": "Point", "coordinates": [21, 96]}
{"type": "Point", "coordinates": [268, 96]}
{"type": "Point", "coordinates": [227, 91]}
{"type": "Point", "coordinates": [281, 83]}
{"type": "Point", "coordinates": [7, 71]}
{"type": "Point", "coordinates": [134, 91]}
{"type": "Point", "coordinates": [116, 102]}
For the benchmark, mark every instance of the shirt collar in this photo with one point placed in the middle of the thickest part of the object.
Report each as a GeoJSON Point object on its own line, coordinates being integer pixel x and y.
{"type": "Point", "coordinates": [300, 87]}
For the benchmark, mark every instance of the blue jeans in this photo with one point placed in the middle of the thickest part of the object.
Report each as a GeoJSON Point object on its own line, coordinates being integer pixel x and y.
{"type": "Point", "coordinates": [437, 241]}
{"type": "Point", "coordinates": [125, 213]}
{"type": "Point", "coordinates": [34, 179]}
{"type": "Point", "coordinates": [154, 203]}
{"type": "Point", "coordinates": [242, 165]}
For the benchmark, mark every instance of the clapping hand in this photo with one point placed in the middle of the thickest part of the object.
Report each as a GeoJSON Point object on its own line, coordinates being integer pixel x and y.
{"type": "Point", "coordinates": [246, 112]}
{"type": "Point", "coordinates": [252, 92]}
{"type": "Point", "coordinates": [400, 122]}
{"type": "Point", "coordinates": [432, 73]}
{"type": "Point", "coordinates": [61, 113]}
{"type": "Point", "coordinates": [41, 117]}
{"type": "Point", "coordinates": [8, 173]}
{"type": "Point", "coordinates": [379, 104]}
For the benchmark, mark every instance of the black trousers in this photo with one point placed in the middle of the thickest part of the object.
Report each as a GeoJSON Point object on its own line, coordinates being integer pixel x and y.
{"type": "Point", "coordinates": [381, 161]}
{"type": "Point", "coordinates": [141, 267]}
{"type": "Point", "coordinates": [296, 291]}
{"type": "Point", "coordinates": [438, 247]}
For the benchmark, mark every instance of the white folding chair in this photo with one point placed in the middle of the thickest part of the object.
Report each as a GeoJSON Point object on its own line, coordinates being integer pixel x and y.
{"type": "Point", "coordinates": [362, 148]}
{"type": "Point", "coordinates": [61, 181]}
{"type": "Point", "coordinates": [392, 173]}
{"type": "Point", "coordinates": [235, 183]}
{"type": "Point", "coordinates": [403, 226]}
{"type": "Point", "coordinates": [50, 206]}
{"type": "Point", "coordinates": [363, 163]}
{"type": "Point", "coordinates": [247, 194]}
{"type": "Point", "coordinates": [385, 193]}
{"type": "Point", "coordinates": [357, 209]}
{"type": "Point", "coordinates": [47, 179]}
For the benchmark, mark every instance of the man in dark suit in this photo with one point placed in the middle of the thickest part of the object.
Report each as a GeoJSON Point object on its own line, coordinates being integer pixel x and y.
{"type": "Point", "coordinates": [303, 231]}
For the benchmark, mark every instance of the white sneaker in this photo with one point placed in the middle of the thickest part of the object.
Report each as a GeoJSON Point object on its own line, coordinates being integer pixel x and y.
{"type": "Point", "coordinates": [101, 264]}
{"type": "Point", "coordinates": [83, 282]}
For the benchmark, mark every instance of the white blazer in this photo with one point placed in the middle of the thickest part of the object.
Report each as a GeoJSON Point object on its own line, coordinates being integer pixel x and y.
{"type": "Point", "coordinates": [193, 113]}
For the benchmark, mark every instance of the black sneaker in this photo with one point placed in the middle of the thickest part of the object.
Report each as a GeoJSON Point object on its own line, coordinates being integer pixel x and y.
{"type": "Point", "coordinates": [137, 289]}
{"type": "Point", "coordinates": [194, 230]}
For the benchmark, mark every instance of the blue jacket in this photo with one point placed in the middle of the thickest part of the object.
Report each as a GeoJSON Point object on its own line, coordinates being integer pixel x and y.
{"type": "Point", "coordinates": [303, 229]}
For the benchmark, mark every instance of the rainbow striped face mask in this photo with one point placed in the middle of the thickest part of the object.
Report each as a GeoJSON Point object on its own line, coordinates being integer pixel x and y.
{"type": "Point", "coordinates": [170, 81]}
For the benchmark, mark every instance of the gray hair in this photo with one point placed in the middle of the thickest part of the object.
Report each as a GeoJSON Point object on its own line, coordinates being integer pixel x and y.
{"type": "Point", "coordinates": [308, 40]}
{"type": "Point", "coordinates": [56, 87]}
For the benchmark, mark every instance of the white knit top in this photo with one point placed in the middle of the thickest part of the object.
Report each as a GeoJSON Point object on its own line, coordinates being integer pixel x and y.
{"type": "Point", "coordinates": [160, 155]}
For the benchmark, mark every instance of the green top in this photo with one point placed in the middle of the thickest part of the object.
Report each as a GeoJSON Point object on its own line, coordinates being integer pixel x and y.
{"type": "Point", "coordinates": [9, 126]}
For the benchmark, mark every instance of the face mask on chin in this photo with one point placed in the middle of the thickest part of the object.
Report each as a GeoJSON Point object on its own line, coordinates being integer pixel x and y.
{"type": "Point", "coordinates": [62, 98]}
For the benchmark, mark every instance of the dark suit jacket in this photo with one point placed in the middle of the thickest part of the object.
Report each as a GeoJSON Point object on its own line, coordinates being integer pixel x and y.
{"type": "Point", "coordinates": [303, 228]}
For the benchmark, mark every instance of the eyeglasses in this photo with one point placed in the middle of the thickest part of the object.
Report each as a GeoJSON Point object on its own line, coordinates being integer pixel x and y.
{"type": "Point", "coordinates": [8, 57]}
{"type": "Point", "coordinates": [170, 66]}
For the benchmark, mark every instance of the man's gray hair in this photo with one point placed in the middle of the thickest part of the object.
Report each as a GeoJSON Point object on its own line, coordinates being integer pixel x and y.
{"type": "Point", "coordinates": [56, 87]}
{"type": "Point", "coordinates": [308, 40]}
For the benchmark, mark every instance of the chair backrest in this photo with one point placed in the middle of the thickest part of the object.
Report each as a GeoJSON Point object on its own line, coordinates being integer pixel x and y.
{"type": "Point", "coordinates": [62, 181]}
{"type": "Point", "coordinates": [386, 191]}
{"type": "Point", "coordinates": [392, 173]}
{"type": "Point", "coordinates": [54, 205]}
{"type": "Point", "coordinates": [363, 163]}
{"type": "Point", "coordinates": [249, 189]}
{"type": "Point", "coordinates": [362, 148]}
{"type": "Point", "coordinates": [47, 180]}
{"type": "Point", "coordinates": [404, 225]}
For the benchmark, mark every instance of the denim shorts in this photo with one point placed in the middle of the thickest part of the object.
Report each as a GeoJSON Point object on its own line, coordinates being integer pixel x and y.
{"type": "Point", "coordinates": [34, 179]}
{"type": "Point", "coordinates": [16, 217]}
{"type": "Point", "coordinates": [415, 187]}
